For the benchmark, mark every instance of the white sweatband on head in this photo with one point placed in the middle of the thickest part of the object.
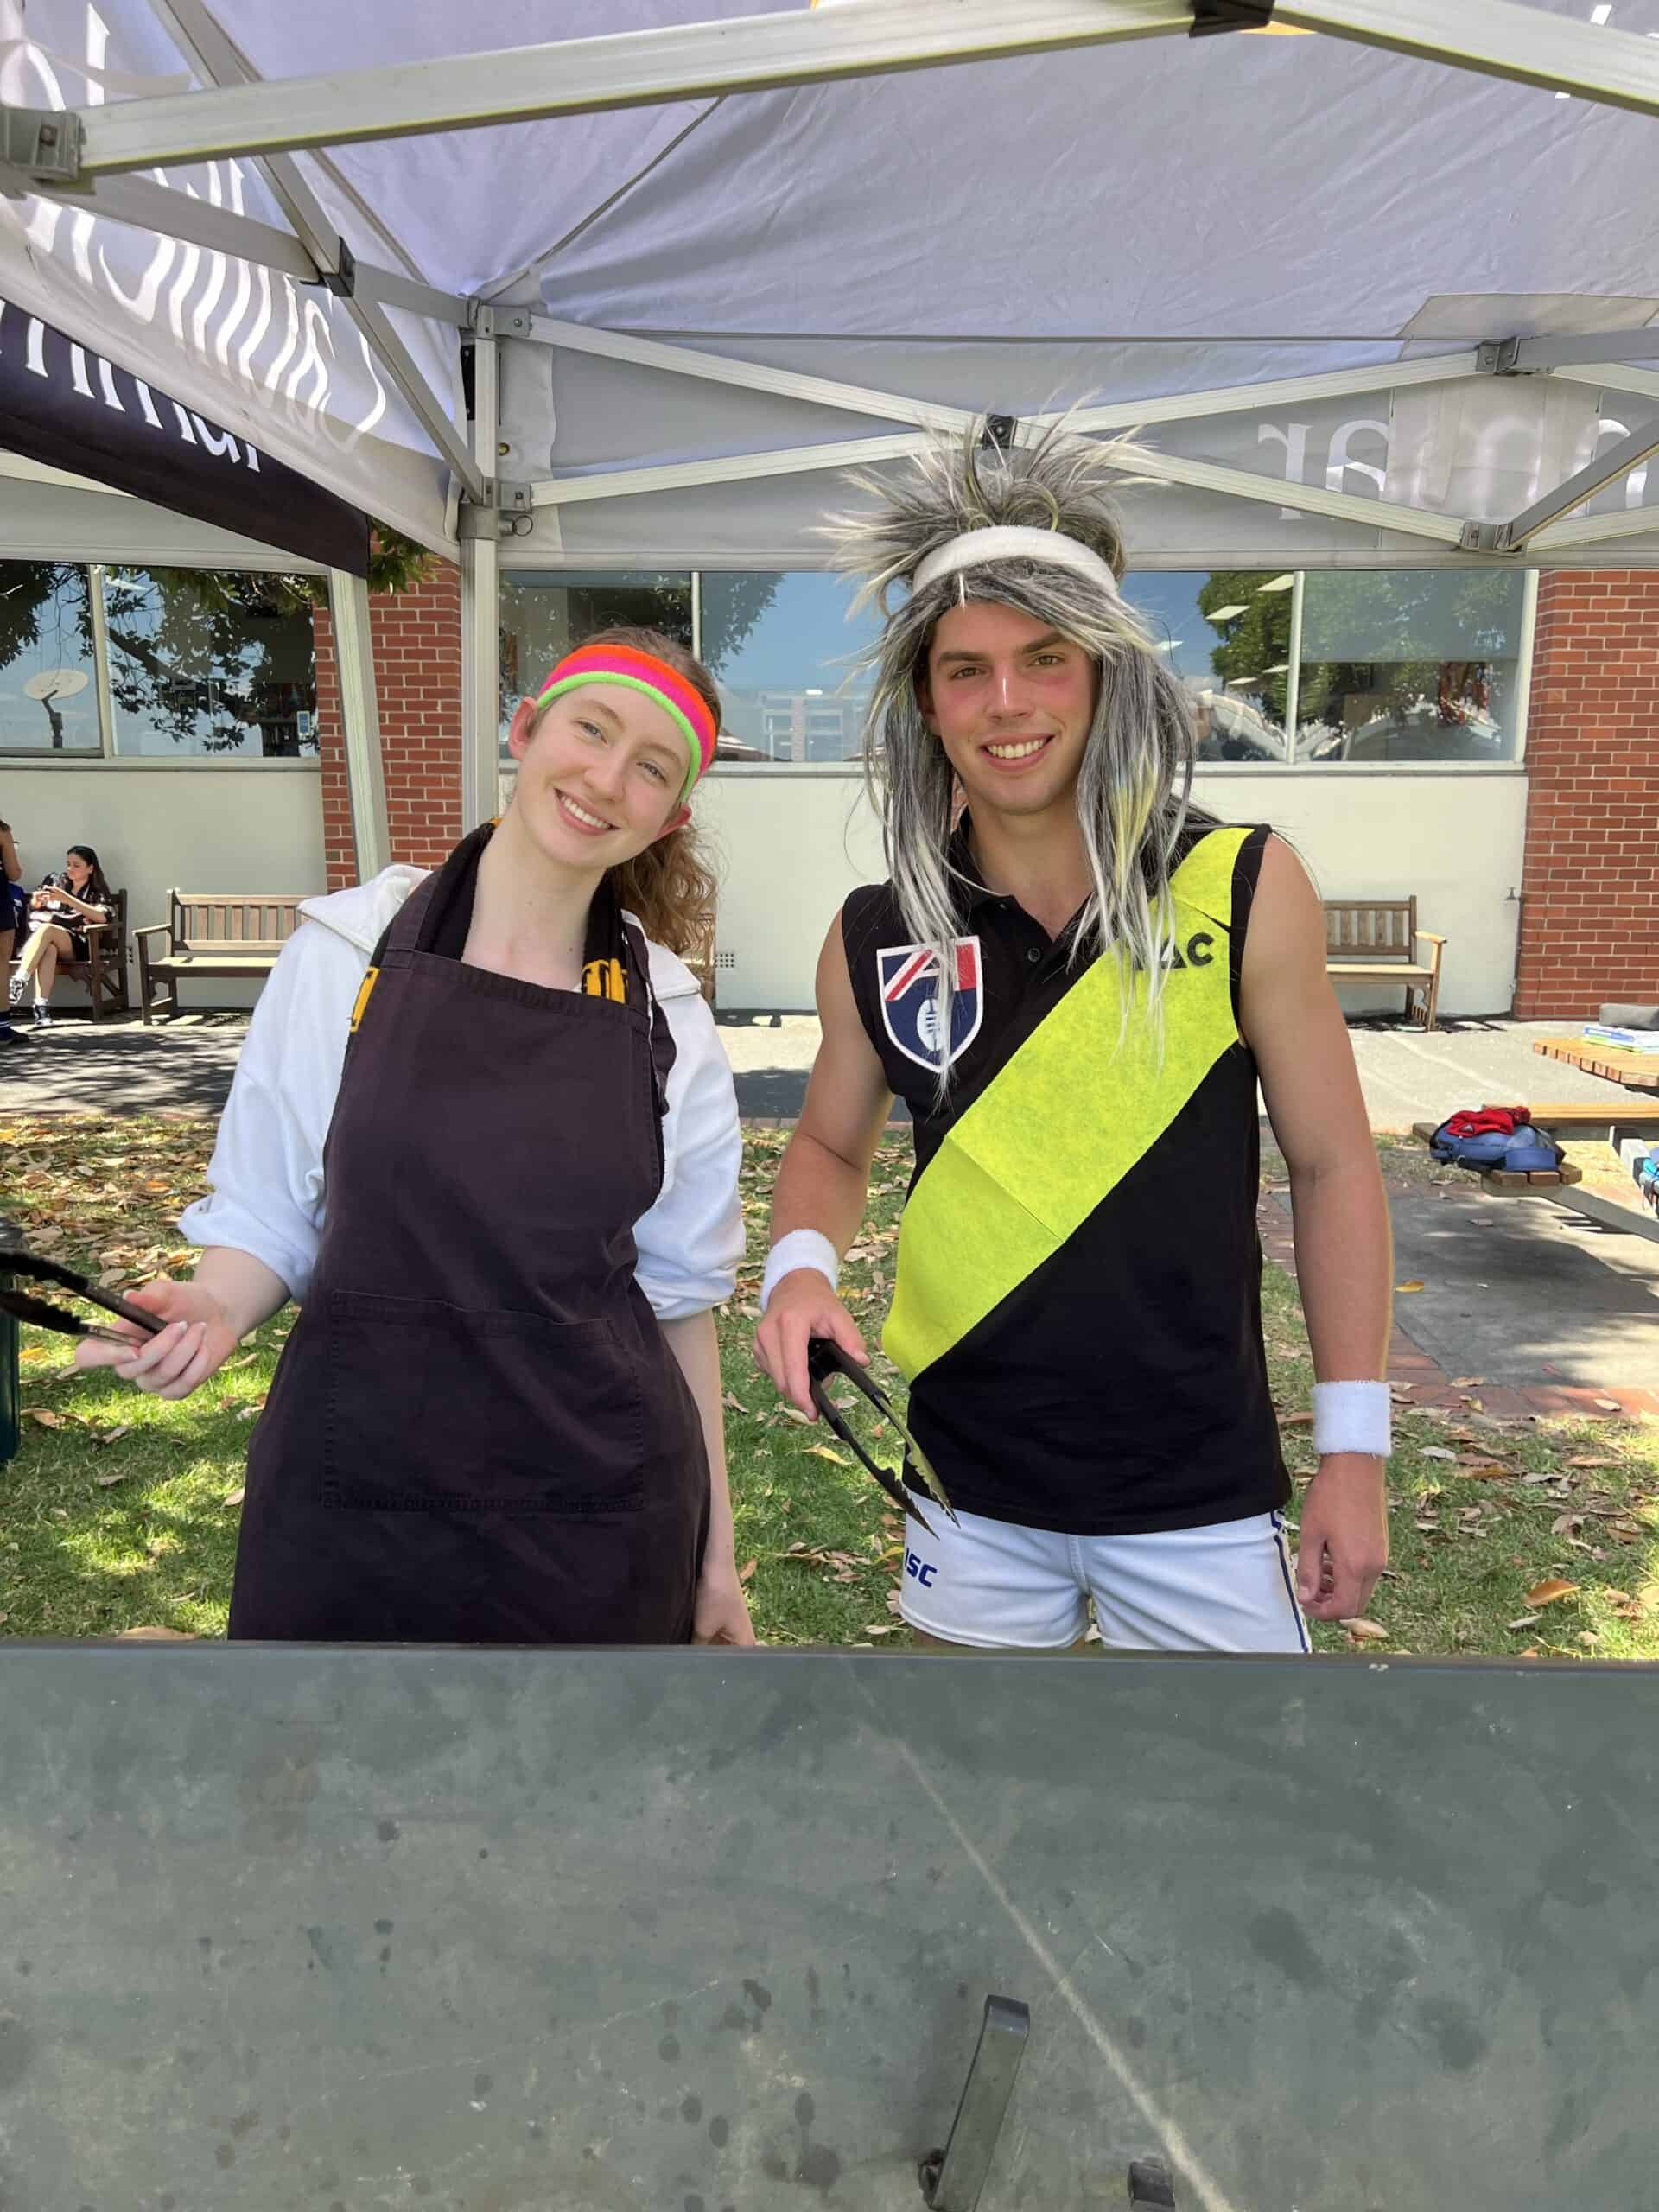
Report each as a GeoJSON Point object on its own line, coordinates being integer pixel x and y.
{"type": "Point", "coordinates": [1013, 542]}
{"type": "Point", "coordinates": [802, 1248]}
{"type": "Point", "coordinates": [1352, 1417]}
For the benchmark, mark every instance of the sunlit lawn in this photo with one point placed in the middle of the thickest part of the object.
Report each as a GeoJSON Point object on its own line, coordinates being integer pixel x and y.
{"type": "Point", "coordinates": [120, 1511]}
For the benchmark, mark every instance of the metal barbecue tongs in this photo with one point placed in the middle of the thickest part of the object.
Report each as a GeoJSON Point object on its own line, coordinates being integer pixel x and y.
{"type": "Point", "coordinates": [824, 1359]}
{"type": "Point", "coordinates": [17, 1259]}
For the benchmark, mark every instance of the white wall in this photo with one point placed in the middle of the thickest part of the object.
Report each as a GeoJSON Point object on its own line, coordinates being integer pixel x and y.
{"type": "Point", "coordinates": [162, 826]}
{"type": "Point", "coordinates": [792, 844]}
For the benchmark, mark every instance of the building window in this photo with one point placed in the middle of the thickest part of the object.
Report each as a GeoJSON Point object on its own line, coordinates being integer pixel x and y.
{"type": "Point", "coordinates": [779, 646]}
{"type": "Point", "coordinates": [48, 686]}
{"type": "Point", "coordinates": [1226, 633]}
{"type": "Point", "coordinates": [209, 664]}
{"type": "Point", "coordinates": [1408, 665]}
{"type": "Point", "coordinates": [544, 616]}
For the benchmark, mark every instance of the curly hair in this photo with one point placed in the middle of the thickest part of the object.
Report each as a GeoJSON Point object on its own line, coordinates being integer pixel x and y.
{"type": "Point", "coordinates": [670, 888]}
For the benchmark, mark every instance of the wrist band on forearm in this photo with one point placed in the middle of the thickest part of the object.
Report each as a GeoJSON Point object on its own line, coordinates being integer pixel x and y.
{"type": "Point", "coordinates": [1352, 1417]}
{"type": "Point", "coordinates": [802, 1248]}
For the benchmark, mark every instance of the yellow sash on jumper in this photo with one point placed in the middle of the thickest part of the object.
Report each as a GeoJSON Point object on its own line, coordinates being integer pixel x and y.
{"type": "Point", "coordinates": [1063, 1123]}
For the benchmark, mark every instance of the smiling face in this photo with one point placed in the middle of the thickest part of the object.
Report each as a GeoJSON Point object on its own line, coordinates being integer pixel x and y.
{"type": "Point", "coordinates": [1011, 701]}
{"type": "Point", "coordinates": [600, 775]}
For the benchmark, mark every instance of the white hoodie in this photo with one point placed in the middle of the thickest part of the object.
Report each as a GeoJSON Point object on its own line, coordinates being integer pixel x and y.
{"type": "Point", "coordinates": [265, 1180]}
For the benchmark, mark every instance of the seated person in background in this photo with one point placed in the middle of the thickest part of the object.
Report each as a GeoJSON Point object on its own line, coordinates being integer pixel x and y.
{"type": "Point", "coordinates": [60, 911]}
{"type": "Point", "coordinates": [14, 919]}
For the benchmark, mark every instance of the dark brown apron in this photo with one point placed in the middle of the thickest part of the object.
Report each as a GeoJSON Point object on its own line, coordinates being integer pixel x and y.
{"type": "Point", "coordinates": [477, 1433]}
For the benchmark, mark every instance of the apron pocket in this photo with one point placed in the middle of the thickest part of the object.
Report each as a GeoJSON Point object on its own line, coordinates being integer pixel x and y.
{"type": "Point", "coordinates": [432, 1408]}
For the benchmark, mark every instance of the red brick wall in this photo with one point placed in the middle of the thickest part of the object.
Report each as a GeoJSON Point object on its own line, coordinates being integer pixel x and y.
{"type": "Point", "coordinates": [1590, 918]}
{"type": "Point", "coordinates": [417, 676]}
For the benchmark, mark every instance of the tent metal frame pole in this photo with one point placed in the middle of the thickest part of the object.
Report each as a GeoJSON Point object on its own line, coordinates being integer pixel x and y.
{"type": "Point", "coordinates": [1235, 483]}
{"type": "Point", "coordinates": [1513, 535]}
{"type": "Point", "coordinates": [201, 39]}
{"type": "Point", "coordinates": [591, 76]}
{"type": "Point", "coordinates": [1642, 383]}
{"type": "Point", "coordinates": [480, 615]}
{"type": "Point", "coordinates": [149, 206]}
{"type": "Point", "coordinates": [1497, 38]}
{"type": "Point", "coordinates": [893, 407]}
{"type": "Point", "coordinates": [1596, 530]}
{"type": "Point", "coordinates": [359, 715]}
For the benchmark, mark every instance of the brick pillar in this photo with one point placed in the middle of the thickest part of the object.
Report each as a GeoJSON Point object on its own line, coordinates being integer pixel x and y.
{"type": "Point", "coordinates": [1590, 920]}
{"type": "Point", "coordinates": [417, 678]}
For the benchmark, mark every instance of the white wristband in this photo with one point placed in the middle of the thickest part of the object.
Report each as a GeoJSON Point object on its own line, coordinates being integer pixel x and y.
{"type": "Point", "coordinates": [1352, 1417]}
{"type": "Point", "coordinates": [802, 1248]}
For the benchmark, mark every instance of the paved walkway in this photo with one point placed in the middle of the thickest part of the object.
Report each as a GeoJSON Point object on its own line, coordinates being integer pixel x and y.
{"type": "Point", "coordinates": [1552, 1313]}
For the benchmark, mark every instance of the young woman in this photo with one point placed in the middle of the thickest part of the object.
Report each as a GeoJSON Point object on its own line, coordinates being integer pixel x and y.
{"type": "Point", "coordinates": [59, 912]}
{"type": "Point", "coordinates": [483, 1131]}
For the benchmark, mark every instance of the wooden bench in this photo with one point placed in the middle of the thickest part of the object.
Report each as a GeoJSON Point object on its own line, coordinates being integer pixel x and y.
{"type": "Point", "coordinates": [1376, 941]}
{"type": "Point", "coordinates": [1507, 1182]}
{"type": "Point", "coordinates": [211, 934]}
{"type": "Point", "coordinates": [1598, 1118]}
{"type": "Point", "coordinates": [104, 970]}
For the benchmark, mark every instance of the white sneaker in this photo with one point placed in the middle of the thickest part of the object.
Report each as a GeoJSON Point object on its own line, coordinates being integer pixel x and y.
{"type": "Point", "coordinates": [42, 1019]}
{"type": "Point", "coordinates": [14, 990]}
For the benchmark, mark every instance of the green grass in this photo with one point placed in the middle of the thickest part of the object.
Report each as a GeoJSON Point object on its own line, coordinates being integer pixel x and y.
{"type": "Point", "coordinates": [120, 1511]}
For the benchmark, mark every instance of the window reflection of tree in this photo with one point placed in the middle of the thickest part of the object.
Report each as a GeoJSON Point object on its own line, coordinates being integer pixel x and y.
{"type": "Point", "coordinates": [209, 658]}
{"type": "Point", "coordinates": [44, 619]}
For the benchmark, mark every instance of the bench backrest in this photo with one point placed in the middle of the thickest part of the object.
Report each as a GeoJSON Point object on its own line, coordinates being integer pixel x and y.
{"type": "Point", "coordinates": [200, 921]}
{"type": "Point", "coordinates": [1371, 929]}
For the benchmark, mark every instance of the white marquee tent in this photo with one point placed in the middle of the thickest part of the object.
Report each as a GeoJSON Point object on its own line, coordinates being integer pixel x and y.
{"type": "Point", "coordinates": [1377, 279]}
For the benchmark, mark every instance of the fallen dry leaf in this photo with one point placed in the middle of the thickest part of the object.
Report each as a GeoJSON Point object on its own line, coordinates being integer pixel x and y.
{"type": "Point", "coordinates": [1586, 1460]}
{"type": "Point", "coordinates": [1407, 1287]}
{"type": "Point", "coordinates": [745, 1573]}
{"type": "Point", "coordinates": [1549, 1594]}
{"type": "Point", "coordinates": [112, 1435]}
{"type": "Point", "coordinates": [1610, 1404]}
{"type": "Point", "coordinates": [153, 1635]}
{"type": "Point", "coordinates": [1294, 1420]}
{"type": "Point", "coordinates": [880, 1628]}
{"type": "Point", "coordinates": [730, 1398]}
{"type": "Point", "coordinates": [794, 1414]}
{"type": "Point", "coordinates": [45, 1416]}
{"type": "Point", "coordinates": [30, 1354]}
{"type": "Point", "coordinates": [108, 1482]}
{"type": "Point", "coordinates": [1365, 1631]}
{"type": "Point", "coordinates": [823, 1451]}
{"type": "Point", "coordinates": [1467, 1381]}
{"type": "Point", "coordinates": [1434, 1451]}
{"type": "Point", "coordinates": [233, 1497]}
{"type": "Point", "coordinates": [1526, 1620]}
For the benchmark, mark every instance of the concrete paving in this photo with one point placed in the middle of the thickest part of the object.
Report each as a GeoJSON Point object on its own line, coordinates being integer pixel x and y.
{"type": "Point", "coordinates": [79, 1066]}
{"type": "Point", "coordinates": [184, 1065]}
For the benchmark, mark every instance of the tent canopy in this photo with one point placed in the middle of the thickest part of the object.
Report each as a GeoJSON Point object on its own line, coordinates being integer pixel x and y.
{"type": "Point", "coordinates": [1376, 281]}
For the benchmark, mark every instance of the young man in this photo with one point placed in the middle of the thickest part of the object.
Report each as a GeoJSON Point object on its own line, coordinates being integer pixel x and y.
{"type": "Point", "coordinates": [1075, 980]}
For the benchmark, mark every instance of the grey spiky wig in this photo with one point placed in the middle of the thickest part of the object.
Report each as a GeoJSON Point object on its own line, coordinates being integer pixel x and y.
{"type": "Point", "coordinates": [1134, 785]}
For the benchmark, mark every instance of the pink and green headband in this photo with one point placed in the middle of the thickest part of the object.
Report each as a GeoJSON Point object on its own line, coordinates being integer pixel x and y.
{"type": "Point", "coordinates": [681, 702]}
